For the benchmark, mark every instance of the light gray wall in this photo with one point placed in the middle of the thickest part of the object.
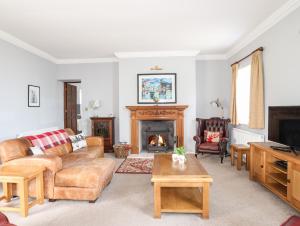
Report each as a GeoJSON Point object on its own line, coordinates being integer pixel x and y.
{"type": "Point", "coordinates": [281, 63]}
{"type": "Point", "coordinates": [185, 67]}
{"type": "Point", "coordinates": [213, 81]}
{"type": "Point", "coordinates": [116, 103]}
{"type": "Point", "coordinates": [18, 69]}
{"type": "Point", "coordinates": [97, 83]}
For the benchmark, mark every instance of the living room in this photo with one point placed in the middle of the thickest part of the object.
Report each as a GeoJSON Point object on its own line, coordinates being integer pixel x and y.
{"type": "Point", "coordinates": [225, 68]}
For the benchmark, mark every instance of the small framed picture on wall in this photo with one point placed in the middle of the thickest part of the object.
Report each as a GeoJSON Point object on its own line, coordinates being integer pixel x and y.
{"type": "Point", "coordinates": [33, 96]}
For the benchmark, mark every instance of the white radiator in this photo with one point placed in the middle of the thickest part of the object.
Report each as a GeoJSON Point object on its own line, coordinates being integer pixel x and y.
{"type": "Point", "coordinates": [240, 136]}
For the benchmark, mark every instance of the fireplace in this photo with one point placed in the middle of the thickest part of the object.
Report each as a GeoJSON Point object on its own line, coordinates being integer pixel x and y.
{"type": "Point", "coordinates": [141, 113]}
{"type": "Point", "coordinates": [157, 136]}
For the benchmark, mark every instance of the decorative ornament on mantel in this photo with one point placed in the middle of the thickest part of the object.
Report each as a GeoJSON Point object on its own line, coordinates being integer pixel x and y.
{"type": "Point", "coordinates": [156, 68]}
{"type": "Point", "coordinates": [155, 99]}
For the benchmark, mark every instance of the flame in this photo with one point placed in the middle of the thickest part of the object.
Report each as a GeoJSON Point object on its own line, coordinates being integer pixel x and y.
{"type": "Point", "coordinates": [152, 142]}
{"type": "Point", "coordinates": [160, 141]}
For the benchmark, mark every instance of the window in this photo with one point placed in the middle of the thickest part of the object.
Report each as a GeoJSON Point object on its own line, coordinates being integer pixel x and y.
{"type": "Point", "coordinates": [243, 92]}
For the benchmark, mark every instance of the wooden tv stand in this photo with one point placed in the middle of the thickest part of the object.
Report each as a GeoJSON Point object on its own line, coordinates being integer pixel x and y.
{"type": "Point", "coordinates": [285, 183]}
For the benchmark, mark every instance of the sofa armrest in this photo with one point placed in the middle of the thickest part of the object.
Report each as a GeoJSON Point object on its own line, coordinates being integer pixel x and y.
{"type": "Point", "coordinates": [51, 162]}
{"type": "Point", "coordinates": [95, 141]}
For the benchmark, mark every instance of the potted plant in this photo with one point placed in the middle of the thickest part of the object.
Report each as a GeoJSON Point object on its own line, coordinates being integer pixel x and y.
{"type": "Point", "coordinates": [179, 155]}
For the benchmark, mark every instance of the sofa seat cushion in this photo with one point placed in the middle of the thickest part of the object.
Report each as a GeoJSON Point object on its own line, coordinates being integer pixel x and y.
{"type": "Point", "coordinates": [209, 146]}
{"type": "Point", "coordinates": [90, 152]}
{"type": "Point", "coordinates": [86, 173]}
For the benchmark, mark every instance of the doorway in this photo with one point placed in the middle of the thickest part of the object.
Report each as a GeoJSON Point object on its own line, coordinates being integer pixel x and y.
{"type": "Point", "coordinates": [72, 106]}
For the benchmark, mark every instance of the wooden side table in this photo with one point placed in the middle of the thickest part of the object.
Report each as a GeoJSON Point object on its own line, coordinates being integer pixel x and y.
{"type": "Point", "coordinates": [21, 175]}
{"type": "Point", "coordinates": [240, 149]}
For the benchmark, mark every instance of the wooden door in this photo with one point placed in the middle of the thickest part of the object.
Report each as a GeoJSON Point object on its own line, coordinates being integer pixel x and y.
{"type": "Point", "coordinates": [70, 107]}
{"type": "Point", "coordinates": [258, 164]}
{"type": "Point", "coordinates": [293, 184]}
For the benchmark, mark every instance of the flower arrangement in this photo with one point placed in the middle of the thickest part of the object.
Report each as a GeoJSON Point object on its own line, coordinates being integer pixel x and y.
{"type": "Point", "coordinates": [179, 155]}
{"type": "Point", "coordinates": [180, 151]}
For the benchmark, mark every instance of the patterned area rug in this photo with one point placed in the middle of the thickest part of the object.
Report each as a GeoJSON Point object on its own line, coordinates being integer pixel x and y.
{"type": "Point", "coordinates": [136, 166]}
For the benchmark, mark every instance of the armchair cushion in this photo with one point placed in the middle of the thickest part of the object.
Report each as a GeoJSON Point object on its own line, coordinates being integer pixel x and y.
{"type": "Point", "coordinates": [209, 146]}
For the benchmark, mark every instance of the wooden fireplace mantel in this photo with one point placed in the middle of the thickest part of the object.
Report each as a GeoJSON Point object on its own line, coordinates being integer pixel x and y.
{"type": "Point", "coordinates": [156, 112]}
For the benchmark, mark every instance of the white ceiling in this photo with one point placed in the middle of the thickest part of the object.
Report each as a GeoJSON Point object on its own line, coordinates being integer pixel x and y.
{"type": "Point", "coordinates": [99, 28]}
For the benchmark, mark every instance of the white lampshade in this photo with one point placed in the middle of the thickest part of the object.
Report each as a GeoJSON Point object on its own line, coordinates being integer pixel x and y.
{"type": "Point", "coordinates": [214, 104]}
{"type": "Point", "coordinates": [95, 104]}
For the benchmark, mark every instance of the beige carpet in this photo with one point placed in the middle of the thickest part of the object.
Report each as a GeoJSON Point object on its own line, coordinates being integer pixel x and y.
{"type": "Point", "coordinates": [235, 201]}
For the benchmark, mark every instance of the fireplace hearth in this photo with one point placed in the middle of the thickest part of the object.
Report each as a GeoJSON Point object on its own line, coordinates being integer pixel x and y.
{"type": "Point", "coordinates": [157, 136]}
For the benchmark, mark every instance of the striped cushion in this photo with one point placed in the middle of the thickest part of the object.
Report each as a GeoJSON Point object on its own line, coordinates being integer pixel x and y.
{"type": "Point", "coordinates": [49, 139]}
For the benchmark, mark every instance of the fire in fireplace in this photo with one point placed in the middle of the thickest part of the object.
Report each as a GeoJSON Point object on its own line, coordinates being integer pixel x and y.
{"type": "Point", "coordinates": [157, 136]}
{"type": "Point", "coordinates": [157, 142]}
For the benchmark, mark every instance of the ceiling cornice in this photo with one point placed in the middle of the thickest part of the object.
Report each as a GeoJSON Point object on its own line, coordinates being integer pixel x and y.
{"type": "Point", "coordinates": [23, 45]}
{"type": "Point", "coordinates": [272, 20]}
{"type": "Point", "coordinates": [146, 54]}
{"type": "Point", "coordinates": [211, 57]}
{"type": "Point", "coordinates": [86, 61]}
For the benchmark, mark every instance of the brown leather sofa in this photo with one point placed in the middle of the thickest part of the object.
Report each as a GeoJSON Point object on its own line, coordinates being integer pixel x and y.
{"type": "Point", "coordinates": [78, 175]}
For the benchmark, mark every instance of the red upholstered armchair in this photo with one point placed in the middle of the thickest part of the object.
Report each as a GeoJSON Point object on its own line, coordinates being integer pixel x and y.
{"type": "Point", "coordinates": [213, 125]}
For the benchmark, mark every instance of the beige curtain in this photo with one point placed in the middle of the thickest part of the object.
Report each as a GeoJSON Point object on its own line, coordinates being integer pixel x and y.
{"type": "Point", "coordinates": [256, 116]}
{"type": "Point", "coordinates": [233, 112]}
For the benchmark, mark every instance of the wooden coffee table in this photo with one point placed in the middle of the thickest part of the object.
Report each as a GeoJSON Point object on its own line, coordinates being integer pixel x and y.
{"type": "Point", "coordinates": [181, 189]}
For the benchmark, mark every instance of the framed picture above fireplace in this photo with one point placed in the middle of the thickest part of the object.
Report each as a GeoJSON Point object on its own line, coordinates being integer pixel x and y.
{"type": "Point", "coordinates": [156, 88]}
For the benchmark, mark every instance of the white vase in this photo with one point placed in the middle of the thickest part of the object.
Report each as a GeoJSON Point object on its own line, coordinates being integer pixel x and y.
{"type": "Point", "coordinates": [181, 159]}
{"type": "Point", "coordinates": [174, 157]}
{"type": "Point", "coordinates": [178, 158]}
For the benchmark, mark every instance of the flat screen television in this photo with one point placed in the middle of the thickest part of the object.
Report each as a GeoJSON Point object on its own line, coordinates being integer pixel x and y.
{"type": "Point", "coordinates": [284, 125]}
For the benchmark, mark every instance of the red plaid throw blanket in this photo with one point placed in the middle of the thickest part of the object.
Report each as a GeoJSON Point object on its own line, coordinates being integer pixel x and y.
{"type": "Point", "coordinates": [49, 139]}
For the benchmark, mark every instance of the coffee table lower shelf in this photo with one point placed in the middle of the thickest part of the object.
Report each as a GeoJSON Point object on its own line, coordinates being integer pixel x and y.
{"type": "Point", "coordinates": [181, 200]}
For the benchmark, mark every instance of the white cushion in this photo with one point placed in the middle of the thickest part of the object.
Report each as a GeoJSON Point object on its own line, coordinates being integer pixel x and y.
{"type": "Point", "coordinates": [78, 141]}
{"type": "Point", "coordinates": [36, 150]}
